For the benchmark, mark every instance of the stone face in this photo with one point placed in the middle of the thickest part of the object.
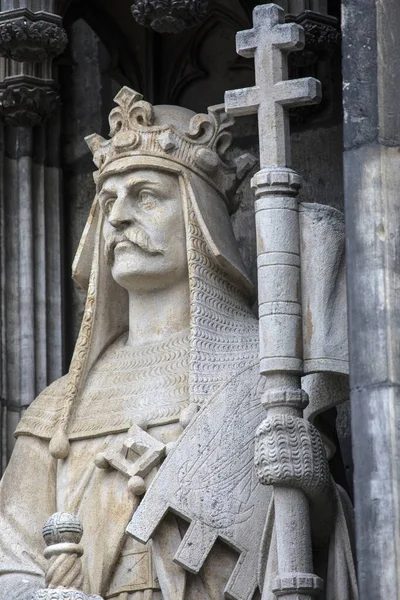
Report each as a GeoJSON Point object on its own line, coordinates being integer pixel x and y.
{"type": "Point", "coordinates": [166, 365]}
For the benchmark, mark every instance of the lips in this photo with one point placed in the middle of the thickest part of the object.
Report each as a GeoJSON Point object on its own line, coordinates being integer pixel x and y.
{"type": "Point", "coordinates": [129, 246]}
{"type": "Point", "coordinates": [124, 245]}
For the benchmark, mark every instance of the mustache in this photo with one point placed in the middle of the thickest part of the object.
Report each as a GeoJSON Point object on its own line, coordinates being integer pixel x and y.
{"type": "Point", "coordinates": [136, 237]}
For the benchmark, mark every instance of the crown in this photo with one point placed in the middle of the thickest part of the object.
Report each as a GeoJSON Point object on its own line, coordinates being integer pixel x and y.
{"type": "Point", "coordinates": [197, 141]}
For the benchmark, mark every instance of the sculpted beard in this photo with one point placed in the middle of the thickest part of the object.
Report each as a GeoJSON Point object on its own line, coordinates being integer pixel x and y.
{"type": "Point", "coordinates": [134, 236]}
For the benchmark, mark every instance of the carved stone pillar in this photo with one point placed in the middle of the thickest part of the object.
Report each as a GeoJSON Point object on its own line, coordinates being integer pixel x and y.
{"type": "Point", "coordinates": [371, 74]}
{"type": "Point", "coordinates": [30, 229]}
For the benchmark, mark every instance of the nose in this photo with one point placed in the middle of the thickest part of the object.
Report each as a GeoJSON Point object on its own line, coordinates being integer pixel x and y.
{"type": "Point", "coordinates": [120, 217]}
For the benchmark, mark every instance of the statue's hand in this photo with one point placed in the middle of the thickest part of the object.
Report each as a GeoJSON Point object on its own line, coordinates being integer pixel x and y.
{"type": "Point", "coordinates": [290, 452]}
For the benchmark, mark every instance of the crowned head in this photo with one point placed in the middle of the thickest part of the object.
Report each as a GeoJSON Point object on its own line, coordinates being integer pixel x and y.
{"type": "Point", "coordinates": [142, 134]}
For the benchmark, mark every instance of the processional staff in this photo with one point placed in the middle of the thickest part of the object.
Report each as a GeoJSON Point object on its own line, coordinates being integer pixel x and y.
{"type": "Point", "coordinates": [280, 438]}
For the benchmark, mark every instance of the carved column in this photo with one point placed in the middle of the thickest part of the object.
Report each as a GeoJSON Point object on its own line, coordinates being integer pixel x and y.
{"type": "Point", "coordinates": [371, 75]}
{"type": "Point", "coordinates": [30, 217]}
{"type": "Point", "coordinates": [28, 43]}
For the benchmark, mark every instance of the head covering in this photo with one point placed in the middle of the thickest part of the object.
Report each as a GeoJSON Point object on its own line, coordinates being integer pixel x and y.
{"type": "Point", "coordinates": [174, 140]}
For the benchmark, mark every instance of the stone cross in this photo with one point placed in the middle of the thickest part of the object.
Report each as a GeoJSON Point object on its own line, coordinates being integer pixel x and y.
{"type": "Point", "coordinates": [270, 42]}
{"type": "Point", "coordinates": [279, 296]}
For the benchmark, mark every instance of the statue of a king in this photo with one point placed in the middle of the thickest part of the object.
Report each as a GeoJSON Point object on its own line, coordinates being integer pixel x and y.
{"type": "Point", "coordinates": [168, 349]}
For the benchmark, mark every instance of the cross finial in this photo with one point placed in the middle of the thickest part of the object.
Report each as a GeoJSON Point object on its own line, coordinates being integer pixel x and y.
{"type": "Point", "coordinates": [270, 42]}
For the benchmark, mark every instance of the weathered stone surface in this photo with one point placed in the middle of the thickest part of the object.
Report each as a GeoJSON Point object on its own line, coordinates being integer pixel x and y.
{"type": "Point", "coordinates": [268, 42]}
{"type": "Point", "coordinates": [371, 195]}
{"type": "Point", "coordinates": [64, 578]}
{"type": "Point", "coordinates": [372, 179]}
{"type": "Point", "coordinates": [27, 104]}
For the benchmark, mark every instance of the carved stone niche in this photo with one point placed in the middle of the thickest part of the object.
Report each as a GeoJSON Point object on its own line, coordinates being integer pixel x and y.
{"type": "Point", "coordinates": [29, 36]}
{"type": "Point", "coordinates": [170, 16]}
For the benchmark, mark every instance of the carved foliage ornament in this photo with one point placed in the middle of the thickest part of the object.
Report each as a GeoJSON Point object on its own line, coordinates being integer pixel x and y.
{"type": "Point", "coordinates": [323, 40]}
{"type": "Point", "coordinates": [320, 54]}
{"type": "Point", "coordinates": [24, 104]}
{"type": "Point", "coordinates": [170, 16]}
{"type": "Point", "coordinates": [25, 40]}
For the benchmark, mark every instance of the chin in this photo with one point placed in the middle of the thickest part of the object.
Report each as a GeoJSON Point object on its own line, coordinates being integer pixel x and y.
{"type": "Point", "coordinates": [145, 279]}
{"type": "Point", "coordinates": [137, 271]}
{"type": "Point", "coordinates": [133, 278]}
{"type": "Point", "coordinates": [140, 278]}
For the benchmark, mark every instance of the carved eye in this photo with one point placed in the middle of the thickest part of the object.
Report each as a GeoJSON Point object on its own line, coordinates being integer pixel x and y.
{"type": "Point", "coordinates": [147, 200]}
{"type": "Point", "coordinates": [108, 205]}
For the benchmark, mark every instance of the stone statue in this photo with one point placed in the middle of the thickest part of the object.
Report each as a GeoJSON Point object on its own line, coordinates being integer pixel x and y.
{"type": "Point", "coordinates": [166, 365]}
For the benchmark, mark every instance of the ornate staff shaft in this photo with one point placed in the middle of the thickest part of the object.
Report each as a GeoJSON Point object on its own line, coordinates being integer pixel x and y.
{"type": "Point", "coordinates": [64, 577]}
{"type": "Point", "coordinates": [281, 435]}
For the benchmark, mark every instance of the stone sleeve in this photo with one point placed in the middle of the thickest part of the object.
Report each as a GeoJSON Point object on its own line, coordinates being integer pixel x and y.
{"type": "Point", "coordinates": [27, 499]}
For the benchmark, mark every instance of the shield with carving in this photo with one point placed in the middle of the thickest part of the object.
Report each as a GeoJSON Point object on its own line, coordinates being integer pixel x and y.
{"type": "Point", "coordinates": [209, 480]}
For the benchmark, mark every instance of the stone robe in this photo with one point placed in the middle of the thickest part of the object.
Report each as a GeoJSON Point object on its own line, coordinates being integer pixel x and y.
{"type": "Point", "coordinates": [144, 383]}
{"type": "Point", "coordinates": [114, 564]}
